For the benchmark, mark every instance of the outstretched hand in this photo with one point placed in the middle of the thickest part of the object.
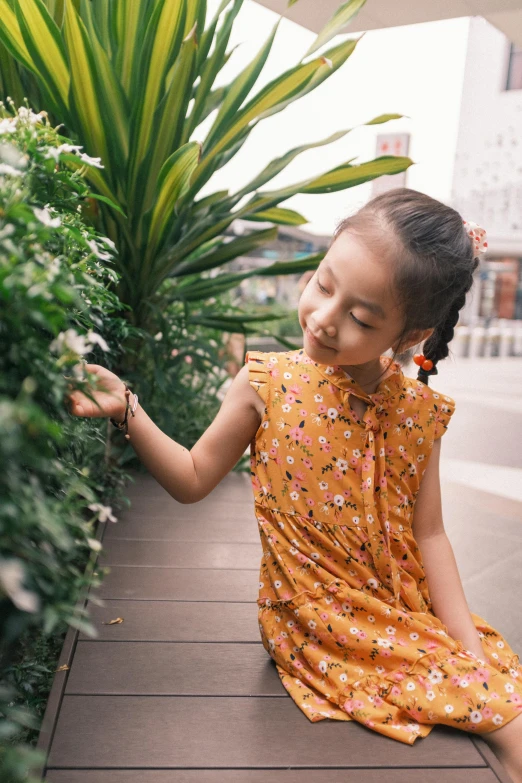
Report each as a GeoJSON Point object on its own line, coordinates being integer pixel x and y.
{"type": "Point", "coordinates": [108, 393]}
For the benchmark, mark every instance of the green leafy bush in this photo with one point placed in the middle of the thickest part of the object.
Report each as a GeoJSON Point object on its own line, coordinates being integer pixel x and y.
{"type": "Point", "coordinates": [57, 474]}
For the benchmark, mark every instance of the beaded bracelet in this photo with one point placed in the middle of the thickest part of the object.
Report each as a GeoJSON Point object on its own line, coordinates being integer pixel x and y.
{"type": "Point", "coordinates": [120, 425]}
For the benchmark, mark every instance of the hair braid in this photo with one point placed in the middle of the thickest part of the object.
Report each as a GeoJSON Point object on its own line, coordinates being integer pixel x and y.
{"type": "Point", "coordinates": [436, 346]}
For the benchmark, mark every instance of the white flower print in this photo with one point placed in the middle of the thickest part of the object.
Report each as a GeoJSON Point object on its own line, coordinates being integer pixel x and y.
{"type": "Point", "coordinates": [500, 644]}
{"type": "Point", "coordinates": [448, 708]}
{"type": "Point", "coordinates": [323, 485]}
{"type": "Point", "coordinates": [390, 629]}
{"type": "Point", "coordinates": [318, 398]}
{"type": "Point", "coordinates": [315, 555]}
{"type": "Point", "coordinates": [342, 464]}
{"type": "Point", "coordinates": [323, 666]}
{"type": "Point", "coordinates": [371, 618]}
{"type": "Point", "coordinates": [509, 687]}
{"type": "Point", "coordinates": [312, 624]}
{"type": "Point", "coordinates": [332, 413]}
{"type": "Point", "coordinates": [435, 676]}
{"type": "Point", "coordinates": [373, 583]}
{"type": "Point", "coordinates": [287, 375]}
{"type": "Point", "coordinates": [475, 716]}
{"type": "Point", "coordinates": [354, 630]}
{"type": "Point", "coordinates": [347, 433]}
{"type": "Point", "coordinates": [339, 500]}
{"type": "Point", "coordinates": [410, 686]}
{"type": "Point", "coordinates": [286, 408]}
{"type": "Point", "coordinates": [294, 495]}
{"type": "Point", "coordinates": [497, 719]}
{"type": "Point", "coordinates": [414, 636]}
{"type": "Point", "coordinates": [290, 460]}
{"type": "Point", "coordinates": [356, 520]}
{"type": "Point", "coordinates": [430, 695]}
{"type": "Point", "coordinates": [322, 439]}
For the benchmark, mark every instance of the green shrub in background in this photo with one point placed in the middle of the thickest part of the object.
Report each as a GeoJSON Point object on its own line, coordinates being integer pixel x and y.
{"type": "Point", "coordinates": [57, 476]}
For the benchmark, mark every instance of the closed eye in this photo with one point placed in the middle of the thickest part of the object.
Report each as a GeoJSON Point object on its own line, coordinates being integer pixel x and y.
{"type": "Point", "coordinates": [360, 323]}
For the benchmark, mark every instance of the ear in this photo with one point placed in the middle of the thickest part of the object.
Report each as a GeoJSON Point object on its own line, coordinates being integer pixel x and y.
{"type": "Point", "coordinates": [414, 338]}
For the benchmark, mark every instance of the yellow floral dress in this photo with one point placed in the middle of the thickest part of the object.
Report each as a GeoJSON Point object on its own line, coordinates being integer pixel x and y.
{"type": "Point", "coordinates": [344, 606]}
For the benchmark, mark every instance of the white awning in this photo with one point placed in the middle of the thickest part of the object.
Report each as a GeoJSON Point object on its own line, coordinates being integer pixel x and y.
{"type": "Point", "coordinates": [506, 15]}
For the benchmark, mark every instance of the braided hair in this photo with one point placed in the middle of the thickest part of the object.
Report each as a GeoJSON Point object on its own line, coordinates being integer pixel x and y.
{"type": "Point", "coordinates": [433, 261]}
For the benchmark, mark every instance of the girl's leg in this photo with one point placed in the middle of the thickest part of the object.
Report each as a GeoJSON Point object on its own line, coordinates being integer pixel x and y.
{"type": "Point", "coordinates": [506, 743]}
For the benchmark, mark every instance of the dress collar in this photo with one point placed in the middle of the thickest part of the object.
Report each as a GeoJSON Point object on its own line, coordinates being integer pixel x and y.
{"type": "Point", "coordinates": [388, 386]}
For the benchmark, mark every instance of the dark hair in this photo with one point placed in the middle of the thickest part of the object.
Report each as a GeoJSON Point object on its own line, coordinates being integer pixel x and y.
{"type": "Point", "coordinates": [433, 262]}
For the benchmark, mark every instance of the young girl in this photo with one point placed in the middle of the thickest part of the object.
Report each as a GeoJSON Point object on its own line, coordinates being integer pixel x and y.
{"type": "Point", "coordinates": [360, 602]}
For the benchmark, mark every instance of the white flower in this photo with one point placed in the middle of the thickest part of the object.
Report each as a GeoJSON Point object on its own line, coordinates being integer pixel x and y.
{"type": "Point", "coordinates": [55, 152]}
{"type": "Point", "coordinates": [102, 255]}
{"type": "Point", "coordinates": [91, 161]}
{"type": "Point", "coordinates": [323, 666]}
{"type": "Point", "coordinates": [44, 217]}
{"type": "Point", "coordinates": [158, 336]}
{"type": "Point", "coordinates": [497, 719]}
{"type": "Point", "coordinates": [94, 544]}
{"type": "Point", "coordinates": [509, 687]}
{"type": "Point", "coordinates": [475, 716]}
{"type": "Point", "coordinates": [390, 629]}
{"type": "Point", "coordinates": [448, 708]}
{"type": "Point", "coordinates": [94, 337]}
{"type": "Point", "coordinates": [430, 695]}
{"type": "Point", "coordinates": [435, 677]}
{"type": "Point", "coordinates": [12, 172]}
{"type": "Point", "coordinates": [338, 500]}
{"type": "Point", "coordinates": [12, 574]}
{"type": "Point", "coordinates": [414, 636]}
{"type": "Point", "coordinates": [410, 686]}
{"type": "Point", "coordinates": [104, 512]}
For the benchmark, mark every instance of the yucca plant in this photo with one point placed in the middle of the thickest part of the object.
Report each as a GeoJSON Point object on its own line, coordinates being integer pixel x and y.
{"type": "Point", "coordinates": [132, 81]}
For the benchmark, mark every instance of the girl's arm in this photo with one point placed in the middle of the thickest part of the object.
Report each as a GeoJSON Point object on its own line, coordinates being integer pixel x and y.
{"type": "Point", "coordinates": [444, 585]}
{"type": "Point", "coordinates": [188, 476]}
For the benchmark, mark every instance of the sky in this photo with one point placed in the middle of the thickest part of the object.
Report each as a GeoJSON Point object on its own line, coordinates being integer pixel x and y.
{"type": "Point", "coordinates": [414, 70]}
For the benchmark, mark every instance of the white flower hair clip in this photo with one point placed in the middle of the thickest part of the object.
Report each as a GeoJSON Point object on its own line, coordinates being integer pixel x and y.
{"type": "Point", "coordinates": [478, 236]}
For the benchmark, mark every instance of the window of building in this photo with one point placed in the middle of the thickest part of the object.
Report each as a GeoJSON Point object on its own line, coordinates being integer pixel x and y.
{"type": "Point", "coordinates": [514, 71]}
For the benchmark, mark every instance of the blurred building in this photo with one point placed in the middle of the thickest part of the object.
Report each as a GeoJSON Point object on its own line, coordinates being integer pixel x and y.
{"type": "Point", "coordinates": [487, 179]}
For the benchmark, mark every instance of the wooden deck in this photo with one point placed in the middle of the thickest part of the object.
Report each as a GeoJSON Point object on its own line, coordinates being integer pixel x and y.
{"type": "Point", "coordinates": [183, 690]}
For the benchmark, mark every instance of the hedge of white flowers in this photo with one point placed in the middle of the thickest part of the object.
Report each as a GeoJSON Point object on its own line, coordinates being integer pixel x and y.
{"type": "Point", "coordinates": [56, 481]}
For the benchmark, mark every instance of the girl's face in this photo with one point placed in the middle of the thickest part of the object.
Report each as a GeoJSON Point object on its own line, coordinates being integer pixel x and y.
{"type": "Point", "coordinates": [349, 306]}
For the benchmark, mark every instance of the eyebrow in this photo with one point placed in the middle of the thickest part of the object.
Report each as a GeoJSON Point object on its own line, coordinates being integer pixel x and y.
{"type": "Point", "coordinates": [372, 306]}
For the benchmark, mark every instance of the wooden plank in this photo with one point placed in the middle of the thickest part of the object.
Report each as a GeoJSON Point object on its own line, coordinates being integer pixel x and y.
{"type": "Point", "coordinates": [175, 621]}
{"type": "Point", "coordinates": [379, 775]}
{"type": "Point", "coordinates": [230, 732]}
{"type": "Point", "coordinates": [183, 554]}
{"type": "Point", "coordinates": [179, 584]}
{"type": "Point", "coordinates": [174, 669]}
{"type": "Point", "coordinates": [240, 526]}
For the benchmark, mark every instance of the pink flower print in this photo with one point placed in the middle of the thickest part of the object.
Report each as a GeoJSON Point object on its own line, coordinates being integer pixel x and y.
{"type": "Point", "coordinates": [327, 448]}
{"type": "Point", "coordinates": [347, 493]}
{"type": "Point", "coordinates": [307, 440]}
{"type": "Point", "coordinates": [313, 646]}
{"type": "Point", "coordinates": [358, 704]}
{"type": "Point", "coordinates": [308, 676]}
{"type": "Point", "coordinates": [305, 377]}
{"type": "Point", "coordinates": [487, 712]}
{"type": "Point", "coordinates": [303, 413]}
{"type": "Point", "coordinates": [396, 691]}
{"type": "Point", "coordinates": [328, 496]}
{"type": "Point", "coordinates": [386, 425]}
{"type": "Point", "coordinates": [322, 408]}
{"type": "Point", "coordinates": [336, 607]}
{"type": "Point", "coordinates": [382, 482]}
{"type": "Point", "coordinates": [483, 674]}
{"type": "Point", "coordinates": [516, 698]}
{"type": "Point", "coordinates": [353, 461]}
{"type": "Point", "coordinates": [289, 398]}
{"type": "Point", "coordinates": [295, 388]}
{"type": "Point", "coordinates": [324, 616]}
{"type": "Point", "coordinates": [366, 465]}
{"type": "Point", "coordinates": [415, 416]}
{"type": "Point", "coordinates": [272, 451]}
{"type": "Point", "coordinates": [389, 451]}
{"type": "Point", "coordinates": [278, 460]}
{"type": "Point", "coordinates": [432, 645]}
{"type": "Point", "coordinates": [302, 558]}
{"type": "Point", "coordinates": [296, 433]}
{"type": "Point", "coordinates": [348, 705]}
{"type": "Point", "coordinates": [494, 695]}
{"type": "Point", "coordinates": [300, 475]}
{"type": "Point", "coordinates": [298, 664]}
{"type": "Point", "coordinates": [385, 653]}
{"type": "Point", "coordinates": [378, 701]}
{"type": "Point", "coordinates": [362, 635]}
{"type": "Point", "coordinates": [274, 373]}
{"type": "Point", "coordinates": [307, 462]}
{"type": "Point", "coordinates": [310, 502]}
{"type": "Point", "coordinates": [402, 642]}
{"type": "Point", "coordinates": [318, 700]}
{"type": "Point", "coordinates": [342, 639]}
{"type": "Point", "coordinates": [398, 676]}
{"type": "Point", "coordinates": [337, 474]}
{"type": "Point", "coordinates": [295, 485]}
{"type": "Point", "coordinates": [284, 645]}
{"type": "Point", "coordinates": [455, 679]}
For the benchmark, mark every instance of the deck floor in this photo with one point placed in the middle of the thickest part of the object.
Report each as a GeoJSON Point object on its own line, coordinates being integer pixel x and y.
{"type": "Point", "coordinates": [183, 690]}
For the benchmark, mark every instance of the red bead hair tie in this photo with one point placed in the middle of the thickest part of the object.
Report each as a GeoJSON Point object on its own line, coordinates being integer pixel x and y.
{"type": "Point", "coordinates": [421, 360]}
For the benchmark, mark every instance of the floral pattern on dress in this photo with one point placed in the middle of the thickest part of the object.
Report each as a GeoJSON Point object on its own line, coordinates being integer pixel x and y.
{"type": "Point", "coordinates": [344, 605]}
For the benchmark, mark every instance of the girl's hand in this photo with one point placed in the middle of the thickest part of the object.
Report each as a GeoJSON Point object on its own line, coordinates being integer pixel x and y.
{"type": "Point", "coordinates": [109, 393]}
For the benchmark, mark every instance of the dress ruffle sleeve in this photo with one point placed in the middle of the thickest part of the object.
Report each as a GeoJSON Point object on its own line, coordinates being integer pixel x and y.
{"type": "Point", "coordinates": [258, 373]}
{"type": "Point", "coordinates": [445, 410]}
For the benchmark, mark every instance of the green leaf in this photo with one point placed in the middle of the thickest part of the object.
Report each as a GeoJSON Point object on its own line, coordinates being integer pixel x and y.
{"type": "Point", "coordinates": [344, 13]}
{"type": "Point", "coordinates": [226, 252]}
{"type": "Point", "coordinates": [286, 217]}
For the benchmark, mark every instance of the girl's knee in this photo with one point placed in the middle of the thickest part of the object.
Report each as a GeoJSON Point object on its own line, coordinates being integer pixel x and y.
{"type": "Point", "coordinates": [509, 733]}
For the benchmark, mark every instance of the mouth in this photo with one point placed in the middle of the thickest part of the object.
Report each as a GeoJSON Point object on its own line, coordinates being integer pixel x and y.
{"type": "Point", "coordinates": [315, 341]}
